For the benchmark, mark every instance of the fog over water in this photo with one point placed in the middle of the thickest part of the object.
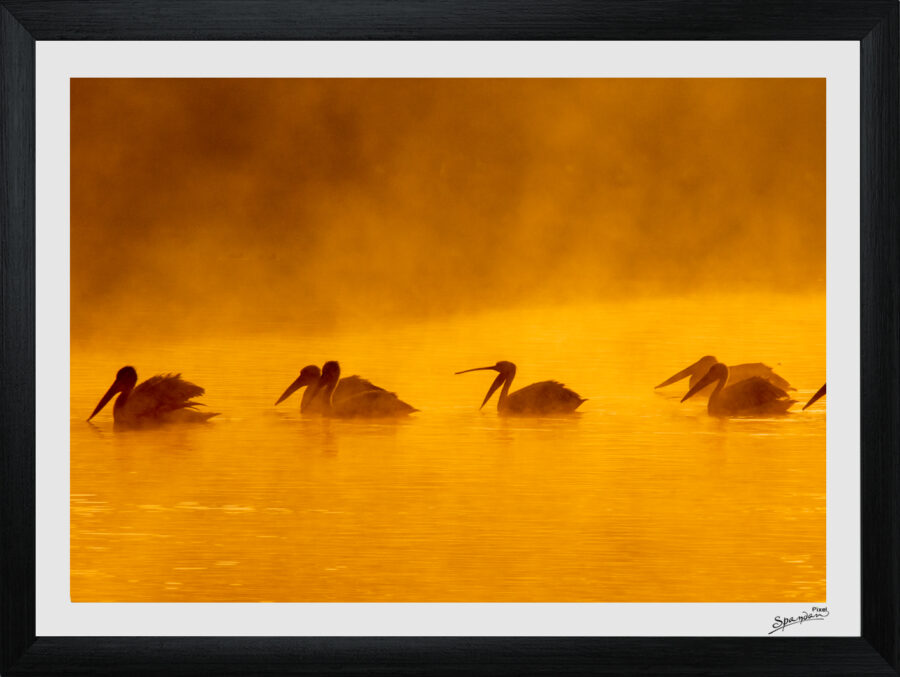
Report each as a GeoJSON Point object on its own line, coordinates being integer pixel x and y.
{"type": "Point", "coordinates": [213, 205]}
{"type": "Point", "coordinates": [604, 233]}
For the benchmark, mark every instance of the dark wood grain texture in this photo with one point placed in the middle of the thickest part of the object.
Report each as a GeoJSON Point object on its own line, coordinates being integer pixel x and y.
{"type": "Point", "coordinates": [880, 335]}
{"type": "Point", "coordinates": [873, 22]}
{"type": "Point", "coordinates": [224, 657]}
{"type": "Point", "coordinates": [16, 339]}
{"type": "Point", "coordinates": [445, 20]}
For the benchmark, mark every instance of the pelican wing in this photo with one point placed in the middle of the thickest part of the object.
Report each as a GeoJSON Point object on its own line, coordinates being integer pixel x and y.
{"type": "Point", "coordinates": [741, 372]}
{"type": "Point", "coordinates": [351, 386]}
{"type": "Point", "coordinates": [161, 395]}
{"type": "Point", "coordinates": [752, 393]}
{"type": "Point", "coordinates": [543, 397]}
{"type": "Point", "coordinates": [372, 404]}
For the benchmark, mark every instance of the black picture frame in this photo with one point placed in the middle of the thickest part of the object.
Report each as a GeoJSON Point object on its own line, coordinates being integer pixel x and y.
{"type": "Point", "coordinates": [873, 23]}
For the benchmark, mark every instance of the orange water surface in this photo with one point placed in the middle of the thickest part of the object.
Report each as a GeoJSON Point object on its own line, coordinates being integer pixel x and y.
{"type": "Point", "coordinates": [638, 498]}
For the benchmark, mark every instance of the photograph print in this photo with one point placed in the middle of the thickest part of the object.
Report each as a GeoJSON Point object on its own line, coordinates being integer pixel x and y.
{"type": "Point", "coordinates": [447, 340]}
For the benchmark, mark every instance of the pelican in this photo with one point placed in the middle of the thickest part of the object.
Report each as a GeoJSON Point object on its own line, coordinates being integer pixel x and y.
{"type": "Point", "coordinates": [819, 393]}
{"type": "Point", "coordinates": [160, 399]}
{"type": "Point", "coordinates": [738, 372]}
{"type": "Point", "coordinates": [751, 396]}
{"type": "Point", "coordinates": [538, 399]}
{"type": "Point", "coordinates": [367, 404]}
{"type": "Point", "coordinates": [309, 377]}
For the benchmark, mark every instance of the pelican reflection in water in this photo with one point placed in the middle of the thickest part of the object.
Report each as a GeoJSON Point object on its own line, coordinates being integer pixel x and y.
{"type": "Point", "coordinates": [737, 372]}
{"type": "Point", "coordinates": [752, 396]}
{"type": "Point", "coordinates": [367, 404]}
{"type": "Point", "coordinates": [538, 399]}
{"type": "Point", "coordinates": [312, 402]}
{"type": "Point", "coordinates": [160, 399]}
{"type": "Point", "coordinates": [819, 393]}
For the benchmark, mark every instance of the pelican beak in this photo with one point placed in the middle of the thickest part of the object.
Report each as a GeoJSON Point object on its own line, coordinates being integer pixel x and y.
{"type": "Point", "coordinates": [113, 389]}
{"type": "Point", "coordinates": [700, 385]}
{"type": "Point", "coordinates": [496, 384]}
{"type": "Point", "coordinates": [466, 371]}
{"type": "Point", "coordinates": [684, 373]}
{"type": "Point", "coordinates": [819, 393]}
{"type": "Point", "coordinates": [291, 389]}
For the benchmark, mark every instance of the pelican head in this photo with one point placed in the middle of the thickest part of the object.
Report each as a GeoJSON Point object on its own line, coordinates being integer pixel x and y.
{"type": "Point", "coordinates": [717, 372]}
{"type": "Point", "coordinates": [331, 371]}
{"type": "Point", "coordinates": [331, 374]}
{"type": "Point", "coordinates": [507, 372]}
{"type": "Point", "coordinates": [701, 367]}
{"type": "Point", "coordinates": [309, 376]}
{"type": "Point", "coordinates": [126, 377]}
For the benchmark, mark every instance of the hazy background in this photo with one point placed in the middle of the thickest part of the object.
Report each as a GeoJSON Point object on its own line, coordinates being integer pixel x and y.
{"type": "Point", "coordinates": [209, 206]}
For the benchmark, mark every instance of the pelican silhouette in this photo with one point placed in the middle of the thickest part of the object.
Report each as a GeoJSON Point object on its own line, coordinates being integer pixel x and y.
{"type": "Point", "coordinates": [367, 404]}
{"type": "Point", "coordinates": [819, 393]}
{"type": "Point", "coordinates": [310, 376]}
{"type": "Point", "coordinates": [752, 396]}
{"type": "Point", "coordinates": [538, 399]}
{"type": "Point", "coordinates": [165, 398]}
{"type": "Point", "coordinates": [737, 372]}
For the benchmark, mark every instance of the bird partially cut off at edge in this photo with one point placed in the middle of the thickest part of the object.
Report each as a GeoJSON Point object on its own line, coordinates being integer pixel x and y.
{"type": "Point", "coordinates": [819, 393]}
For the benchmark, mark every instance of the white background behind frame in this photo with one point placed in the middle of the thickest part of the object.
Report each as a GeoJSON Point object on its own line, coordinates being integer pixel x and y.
{"type": "Point", "coordinates": [838, 62]}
